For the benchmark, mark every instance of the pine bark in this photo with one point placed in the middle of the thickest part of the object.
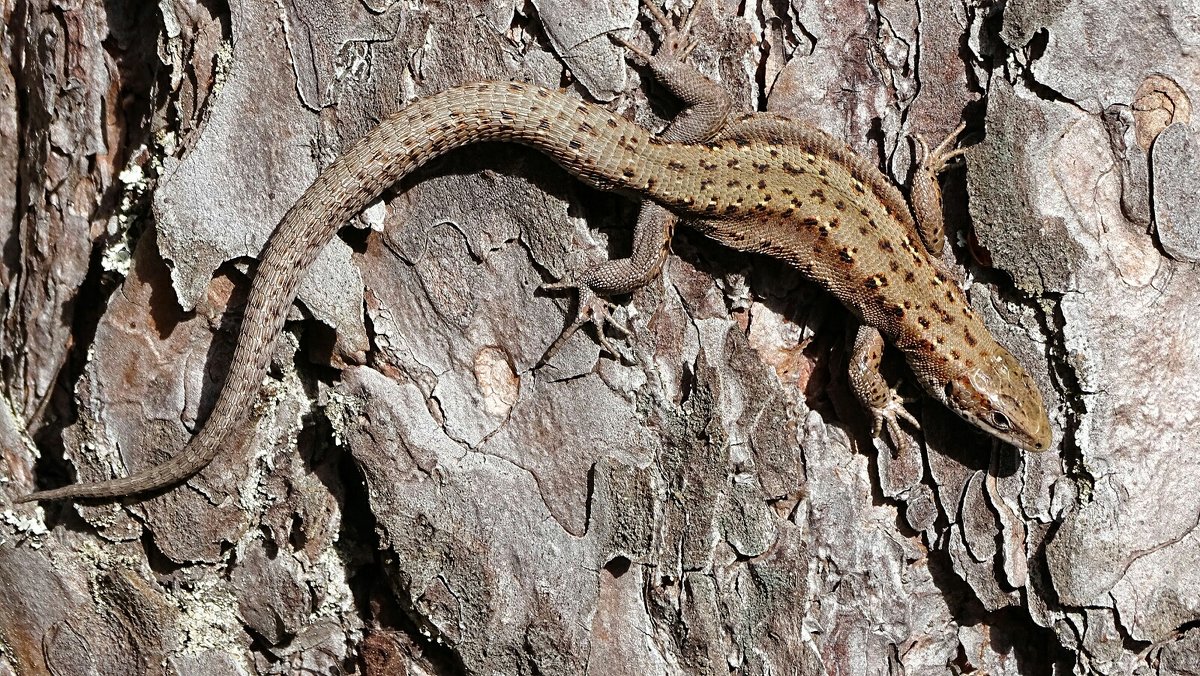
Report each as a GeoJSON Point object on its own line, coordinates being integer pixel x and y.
{"type": "Point", "coordinates": [412, 496]}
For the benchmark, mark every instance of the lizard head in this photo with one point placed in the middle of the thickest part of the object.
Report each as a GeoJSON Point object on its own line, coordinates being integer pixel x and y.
{"type": "Point", "coordinates": [1001, 398]}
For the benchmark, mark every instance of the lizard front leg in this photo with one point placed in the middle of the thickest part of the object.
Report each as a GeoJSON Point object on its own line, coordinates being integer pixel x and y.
{"type": "Point", "coordinates": [873, 391]}
{"type": "Point", "coordinates": [706, 107]}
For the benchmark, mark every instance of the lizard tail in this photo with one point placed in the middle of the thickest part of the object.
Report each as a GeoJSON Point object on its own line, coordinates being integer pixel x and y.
{"type": "Point", "coordinates": [602, 149]}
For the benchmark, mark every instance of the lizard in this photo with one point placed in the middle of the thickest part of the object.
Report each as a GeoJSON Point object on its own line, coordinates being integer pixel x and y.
{"type": "Point", "coordinates": [755, 182]}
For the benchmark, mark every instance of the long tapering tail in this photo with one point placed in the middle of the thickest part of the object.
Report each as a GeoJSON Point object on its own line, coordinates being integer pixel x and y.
{"type": "Point", "coordinates": [599, 147]}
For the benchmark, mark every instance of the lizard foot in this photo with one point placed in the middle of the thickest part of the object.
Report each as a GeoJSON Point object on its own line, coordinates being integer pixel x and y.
{"type": "Point", "coordinates": [890, 413]}
{"type": "Point", "coordinates": [594, 310]}
{"type": "Point", "coordinates": [940, 158]}
{"type": "Point", "coordinates": [674, 43]}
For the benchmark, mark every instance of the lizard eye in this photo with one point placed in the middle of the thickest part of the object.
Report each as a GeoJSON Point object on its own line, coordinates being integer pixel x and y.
{"type": "Point", "coordinates": [1000, 421]}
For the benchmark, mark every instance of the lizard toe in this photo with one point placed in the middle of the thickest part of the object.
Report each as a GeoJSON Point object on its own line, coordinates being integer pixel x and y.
{"type": "Point", "coordinates": [593, 309]}
{"type": "Point", "coordinates": [941, 157]}
{"type": "Point", "coordinates": [675, 43]}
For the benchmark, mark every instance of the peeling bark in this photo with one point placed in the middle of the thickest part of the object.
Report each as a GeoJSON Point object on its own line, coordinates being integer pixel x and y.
{"type": "Point", "coordinates": [412, 496]}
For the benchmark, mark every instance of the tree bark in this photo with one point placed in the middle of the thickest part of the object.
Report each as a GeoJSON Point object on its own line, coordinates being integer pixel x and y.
{"type": "Point", "coordinates": [413, 496]}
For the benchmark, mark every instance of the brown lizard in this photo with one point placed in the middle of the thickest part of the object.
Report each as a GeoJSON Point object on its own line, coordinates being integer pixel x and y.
{"type": "Point", "coordinates": [758, 182]}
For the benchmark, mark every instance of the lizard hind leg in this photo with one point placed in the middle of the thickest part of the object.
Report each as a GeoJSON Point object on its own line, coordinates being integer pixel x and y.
{"type": "Point", "coordinates": [873, 392]}
{"type": "Point", "coordinates": [927, 195]}
{"type": "Point", "coordinates": [706, 104]}
{"type": "Point", "coordinates": [651, 243]}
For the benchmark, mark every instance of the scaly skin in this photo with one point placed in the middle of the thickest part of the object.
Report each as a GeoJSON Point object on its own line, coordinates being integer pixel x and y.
{"type": "Point", "coordinates": [761, 183]}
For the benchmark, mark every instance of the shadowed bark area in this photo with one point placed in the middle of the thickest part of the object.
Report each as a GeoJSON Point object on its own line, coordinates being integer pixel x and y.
{"type": "Point", "coordinates": [412, 496]}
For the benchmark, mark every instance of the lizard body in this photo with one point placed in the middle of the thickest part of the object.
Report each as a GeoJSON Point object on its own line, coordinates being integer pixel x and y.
{"type": "Point", "coordinates": [763, 184]}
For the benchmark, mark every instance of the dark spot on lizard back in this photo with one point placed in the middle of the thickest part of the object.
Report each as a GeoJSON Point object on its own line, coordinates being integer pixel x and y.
{"type": "Point", "coordinates": [675, 165]}
{"type": "Point", "coordinates": [943, 315]}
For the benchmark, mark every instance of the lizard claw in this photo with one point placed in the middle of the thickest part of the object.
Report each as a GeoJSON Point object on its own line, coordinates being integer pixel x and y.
{"type": "Point", "coordinates": [631, 48]}
{"type": "Point", "coordinates": [594, 310]}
